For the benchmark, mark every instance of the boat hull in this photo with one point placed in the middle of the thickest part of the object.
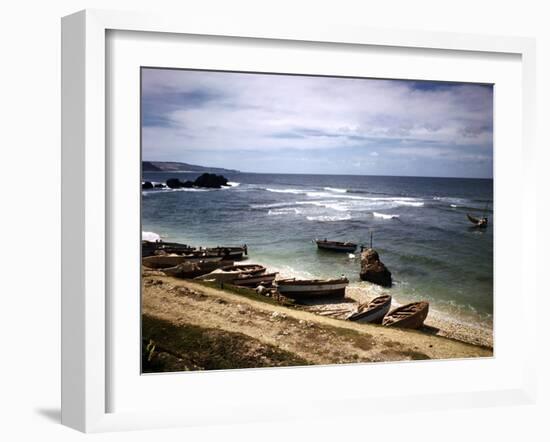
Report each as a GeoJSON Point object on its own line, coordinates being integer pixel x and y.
{"type": "Point", "coordinates": [333, 246]}
{"type": "Point", "coordinates": [291, 289]}
{"type": "Point", "coordinates": [372, 315]}
{"type": "Point", "coordinates": [407, 316]}
{"type": "Point", "coordinates": [255, 280]}
{"type": "Point", "coordinates": [165, 261]}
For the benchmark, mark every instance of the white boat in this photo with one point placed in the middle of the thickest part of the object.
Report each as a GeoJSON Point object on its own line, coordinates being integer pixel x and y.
{"type": "Point", "coordinates": [312, 287]}
{"type": "Point", "coordinates": [373, 311]}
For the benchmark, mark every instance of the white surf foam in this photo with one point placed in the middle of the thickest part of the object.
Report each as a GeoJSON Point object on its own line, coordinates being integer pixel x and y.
{"type": "Point", "coordinates": [293, 191]}
{"type": "Point", "coordinates": [287, 211]}
{"type": "Point", "coordinates": [326, 218]}
{"type": "Point", "coordinates": [384, 216]}
{"type": "Point", "coordinates": [409, 203]}
{"type": "Point", "coordinates": [335, 189]}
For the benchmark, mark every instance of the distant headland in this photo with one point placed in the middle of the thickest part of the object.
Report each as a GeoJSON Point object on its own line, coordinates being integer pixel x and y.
{"type": "Point", "coordinates": [173, 166]}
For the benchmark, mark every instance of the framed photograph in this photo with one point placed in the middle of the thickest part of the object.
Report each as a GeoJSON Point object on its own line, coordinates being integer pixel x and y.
{"type": "Point", "coordinates": [258, 221]}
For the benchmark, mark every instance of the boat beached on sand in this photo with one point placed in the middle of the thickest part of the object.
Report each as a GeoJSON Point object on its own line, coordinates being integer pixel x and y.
{"type": "Point", "coordinates": [251, 269]}
{"type": "Point", "coordinates": [312, 287]}
{"type": "Point", "coordinates": [373, 311]}
{"type": "Point", "coordinates": [408, 316]}
{"type": "Point", "coordinates": [164, 261]}
{"type": "Point", "coordinates": [336, 246]}
{"type": "Point", "coordinates": [193, 269]}
{"type": "Point", "coordinates": [232, 272]}
{"type": "Point", "coordinates": [265, 279]}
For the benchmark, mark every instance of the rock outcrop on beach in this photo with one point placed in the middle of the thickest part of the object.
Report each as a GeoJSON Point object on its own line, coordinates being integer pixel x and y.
{"type": "Point", "coordinates": [147, 185]}
{"type": "Point", "coordinates": [374, 270]}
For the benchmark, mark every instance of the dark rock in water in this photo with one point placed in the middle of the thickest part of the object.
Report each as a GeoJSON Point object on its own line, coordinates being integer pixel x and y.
{"type": "Point", "coordinates": [160, 186]}
{"type": "Point", "coordinates": [174, 183]}
{"type": "Point", "coordinates": [208, 180]}
{"type": "Point", "coordinates": [374, 270]}
{"type": "Point", "coordinates": [147, 185]}
{"type": "Point", "coordinates": [211, 180]}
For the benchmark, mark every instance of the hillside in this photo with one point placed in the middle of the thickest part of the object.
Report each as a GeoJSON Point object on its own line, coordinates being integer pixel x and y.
{"type": "Point", "coordinates": [173, 166]}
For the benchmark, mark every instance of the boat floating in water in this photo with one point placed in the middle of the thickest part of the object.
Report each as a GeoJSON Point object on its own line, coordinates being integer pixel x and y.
{"type": "Point", "coordinates": [312, 287]}
{"type": "Point", "coordinates": [373, 311]}
{"type": "Point", "coordinates": [336, 246]}
{"type": "Point", "coordinates": [408, 316]}
{"type": "Point", "coordinates": [478, 222]}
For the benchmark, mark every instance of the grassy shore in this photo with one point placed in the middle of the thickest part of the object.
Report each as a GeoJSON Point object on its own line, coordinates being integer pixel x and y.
{"type": "Point", "coordinates": [192, 326]}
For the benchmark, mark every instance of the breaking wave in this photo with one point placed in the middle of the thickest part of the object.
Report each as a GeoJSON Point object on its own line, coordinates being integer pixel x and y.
{"type": "Point", "coordinates": [335, 189]}
{"type": "Point", "coordinates": [326, 218]}
{"type": "Point", "coordinates": [384, 216]}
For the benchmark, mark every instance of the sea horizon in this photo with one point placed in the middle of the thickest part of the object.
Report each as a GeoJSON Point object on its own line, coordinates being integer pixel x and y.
{"type": "Point", "coordinates": [312, 174]}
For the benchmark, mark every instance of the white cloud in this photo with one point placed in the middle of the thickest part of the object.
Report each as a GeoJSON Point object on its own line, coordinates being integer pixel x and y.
{"type": "Point", "coordinates": [227, 111]}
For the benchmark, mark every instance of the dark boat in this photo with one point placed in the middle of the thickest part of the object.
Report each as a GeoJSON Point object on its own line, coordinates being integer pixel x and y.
{"type": "Point", "coordinates": [165, 261]}
{"type": "Point", "coordinates": [373, 311]}
{"type": "Point", "coordinates": [408, 316]}
{"type": "Point", "coordinates": [478, 222]}
{"type": "Point", "coordinates": [234, 253]}
{"type": "Point", "coordinates": [149, 248]}
{"type": "Point", "coordinates": [312, 287]}
{"type": "Point", "coordinates": [336, 246]}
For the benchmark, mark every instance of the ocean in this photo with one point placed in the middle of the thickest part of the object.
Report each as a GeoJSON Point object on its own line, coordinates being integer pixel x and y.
{"type": "Point", "coordinates": [418, 226]}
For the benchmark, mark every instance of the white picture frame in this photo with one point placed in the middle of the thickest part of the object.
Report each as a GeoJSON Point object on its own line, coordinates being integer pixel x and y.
{"type": "Point", "coordinates": [85, 216]}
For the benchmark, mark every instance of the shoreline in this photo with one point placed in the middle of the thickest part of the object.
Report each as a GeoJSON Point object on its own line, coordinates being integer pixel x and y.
{"type": "Point", "coordinates": [437, 323]}
{"type": "Point", "coordinates": [197, 326]}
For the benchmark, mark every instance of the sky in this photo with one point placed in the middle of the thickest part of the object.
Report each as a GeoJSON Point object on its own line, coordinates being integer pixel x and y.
{"type": "Point", "coordinates": [269, 123]}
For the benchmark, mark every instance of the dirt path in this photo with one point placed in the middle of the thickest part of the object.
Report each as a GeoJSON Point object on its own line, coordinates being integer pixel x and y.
{"type": "Point", "coordinates": [310, 337]}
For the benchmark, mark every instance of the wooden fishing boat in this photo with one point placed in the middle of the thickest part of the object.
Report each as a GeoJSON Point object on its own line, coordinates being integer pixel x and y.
{"type": "Point", "coordinates": [336, 246]}
{"type": "Point", "coordinates": [312, 287]}
{"type": "Point", "coordinates": [373, 311]}
{"type": "Point", "coordinates": [226, 253]}
{"type": "Point", "coordinates": [165, 261]}
{"type": "Point", "coordinates": [251, 269]}
{"type": "Point", "coordinates": [408, 316]}
{"type": "Point", "coordinates": [265, 279]}
{"type": "Point", "coordinates": [194, 269]}
{"type": "Point", "coordinates": [232, 272]}
{"type": "Point", "coordinates": [479, 222]}
{"type": "Point", "coordinates": [149, 248]}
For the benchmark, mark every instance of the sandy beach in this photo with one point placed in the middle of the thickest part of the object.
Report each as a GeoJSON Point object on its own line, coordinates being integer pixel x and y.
{"type": "Point", "coordinates": [192, 326]}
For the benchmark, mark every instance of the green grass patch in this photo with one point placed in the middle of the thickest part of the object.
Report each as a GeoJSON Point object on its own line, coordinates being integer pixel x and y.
{"type": "Point", "coordinates": [167, 347]}
{"type": "Point", "coordinates": [246, 292]}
